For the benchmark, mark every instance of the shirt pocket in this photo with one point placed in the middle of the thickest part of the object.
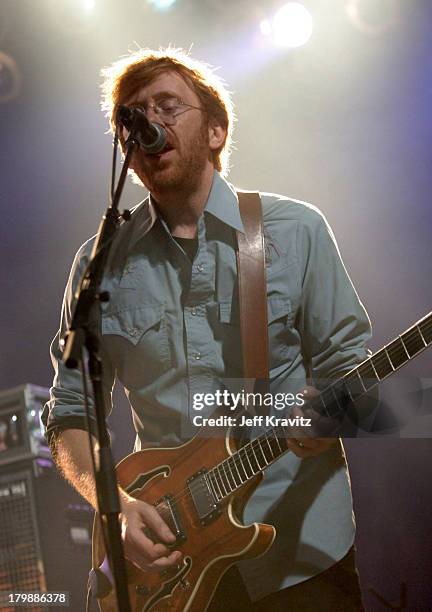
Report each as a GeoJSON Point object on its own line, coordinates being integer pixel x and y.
{"type": "Point", "coordinates": [280, 322]}
{"type": "Point", "coordinates": [136, 336]}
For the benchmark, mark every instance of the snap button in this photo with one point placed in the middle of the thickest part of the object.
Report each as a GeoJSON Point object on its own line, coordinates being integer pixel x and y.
{"type": "Point", "coordinates": [200, 267]}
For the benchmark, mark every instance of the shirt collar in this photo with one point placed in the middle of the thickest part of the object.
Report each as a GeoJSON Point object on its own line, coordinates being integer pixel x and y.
{"type": "Point", "coordinates": [221, 203]}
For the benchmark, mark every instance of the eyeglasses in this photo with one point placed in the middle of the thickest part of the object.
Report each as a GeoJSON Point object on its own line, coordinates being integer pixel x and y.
{"type": "Point", "coordinates": [168, 109]}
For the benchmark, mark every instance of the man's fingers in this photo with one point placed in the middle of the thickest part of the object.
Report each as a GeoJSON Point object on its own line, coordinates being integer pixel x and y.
{"type": "Point", "coordinates": [164, 562]}
{"type": "Point", "coordinates": [319, 425]}
{"type": "Point", "coordinates": [147, 537]}
{"type": "Point", "coordinates": [158, 564]}
{"type": "Point", "coordinates": [151, 549]}
{"type": "Point", "coordinates": [146, 554]}
{"type": "Point", "coordinates": [153, 519]}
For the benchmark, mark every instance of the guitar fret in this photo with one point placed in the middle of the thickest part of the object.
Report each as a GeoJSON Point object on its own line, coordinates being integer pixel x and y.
{"type": "Point", "coordinates": [404, 347]}
{"type": "Point", "coordinates": [343, 394]}
{"type": "Point", "coordinates": [373, 367]}
{"type": "Point", "coordinates": [240, 463]}
{"type": "Point", "coordinates": [421, 335]}
{"type": "Point", "coordinates": [262, 452]}
{"type": "Point", "coordinates": [276, 439]}
{"type": "Point", "coordinates": [235, 465]}
{"type": "Point", "coordinates": [227, 477]}
{"type": "Point", "coordinates": [230, 472]}
{"type": "Point", "coordinates": [256, 458]}
{"type": "Point", "coordinates": [214, 471]}
{"type": "Point", "coordinates": [354, 384]}
{"type": "Point", "coordinates": [208, 479]}
{"type": "Point", "coordinates": [321, 398]}
{"type": "Point", "coordinates": [414, 342]}
{"type": "Point", "coordinates": [427, 329]}
{"type": "Point", "coordinates": [382, 364]}
{"type": "Point", "coordinates": [216, 484]}
{"type": "Point", "coordinates": [269, 447]}
{"type": "Point", "coordinates": [336, 400]}
{"type": "Point", "coordinates": [390, 361]}
{"type": "Point", "coordinates": [328, 398]}
{"type": "Point", "coordinates": [248, 460]}
{"type": "Point", "coordinates": [396, 350]}
{"type": "Point", "coordinates": [361, 380]}
{"type": "Point", "coordinates": [213, 483]}
{"type": "Point", "coordinates": [222, 481]}
{"type": "Point", "coordinates": [368, 374]}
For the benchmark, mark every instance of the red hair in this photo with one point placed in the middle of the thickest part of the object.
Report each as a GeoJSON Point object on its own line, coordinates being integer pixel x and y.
{"type": "Point", "coordinates": [123, 78]}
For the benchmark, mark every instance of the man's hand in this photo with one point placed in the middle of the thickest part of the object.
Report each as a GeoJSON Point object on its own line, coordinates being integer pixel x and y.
{"type": "Point", "coordinates": [137, 519]}
{"type": "Point", "coordinates": [309, 446]}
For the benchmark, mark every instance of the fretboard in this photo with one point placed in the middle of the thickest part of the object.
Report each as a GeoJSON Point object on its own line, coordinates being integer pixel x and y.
{"type": "Point", "coordinates": [255, 456]}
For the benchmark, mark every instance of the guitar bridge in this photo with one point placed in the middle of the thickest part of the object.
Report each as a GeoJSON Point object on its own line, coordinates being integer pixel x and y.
{"type": "Point", "coordinates": [171, 515]}
{"type": "Point", "coordinates": [205, 504]}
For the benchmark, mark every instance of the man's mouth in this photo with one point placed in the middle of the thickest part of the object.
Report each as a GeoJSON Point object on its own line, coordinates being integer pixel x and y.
{"type": "Point", "coordinates": [168, 147]}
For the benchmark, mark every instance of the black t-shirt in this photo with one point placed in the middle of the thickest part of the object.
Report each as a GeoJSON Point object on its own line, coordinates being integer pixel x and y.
{"type": "Point", "coordinates": [189, 246]}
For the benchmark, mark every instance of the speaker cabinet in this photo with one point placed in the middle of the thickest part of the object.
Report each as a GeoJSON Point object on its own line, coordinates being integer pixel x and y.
{"type": "Point", "coordinates": [45, 526]}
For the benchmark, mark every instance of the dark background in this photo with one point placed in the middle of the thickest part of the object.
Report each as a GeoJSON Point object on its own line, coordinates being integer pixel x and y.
{"type": "Point", "coordinates": [343, 122]}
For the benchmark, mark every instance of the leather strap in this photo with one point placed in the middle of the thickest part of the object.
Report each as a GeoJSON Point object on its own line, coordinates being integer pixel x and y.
{"type": "Point", "coordinates": [251, 271]}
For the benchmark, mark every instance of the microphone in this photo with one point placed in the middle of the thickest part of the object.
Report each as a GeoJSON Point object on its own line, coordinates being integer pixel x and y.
{"type": "Point", "coordinates": [151, 137]}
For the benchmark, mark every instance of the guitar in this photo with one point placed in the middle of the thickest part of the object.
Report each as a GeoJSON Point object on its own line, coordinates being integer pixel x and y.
{"type": "Point", "coordinates": [201, 488]}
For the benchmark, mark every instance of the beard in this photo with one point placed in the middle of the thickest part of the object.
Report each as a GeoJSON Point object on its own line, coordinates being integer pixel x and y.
{"type": "Point", "coordinates": [180, 174]}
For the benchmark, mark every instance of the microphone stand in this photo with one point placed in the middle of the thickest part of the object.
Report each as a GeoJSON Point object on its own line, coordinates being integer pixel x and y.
{"type": "Point", "coordinates": [83, 332]}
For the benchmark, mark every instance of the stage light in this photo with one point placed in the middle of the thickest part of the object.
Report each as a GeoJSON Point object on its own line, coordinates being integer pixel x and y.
{"type": "Point", "coordinates": [265, 27]}
{"type": "Point", "coordinates": [292, 25]}
{"type": "Point", "coordinates": [162, 5]}
{"type": "Point", "coordinates": [374, 17]}
{"type": "Point", "coordinates": [89, 5]}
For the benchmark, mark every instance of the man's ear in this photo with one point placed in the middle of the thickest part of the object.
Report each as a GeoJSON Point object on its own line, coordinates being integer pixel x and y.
{"type": "Point", "coordinates": [217, 135]}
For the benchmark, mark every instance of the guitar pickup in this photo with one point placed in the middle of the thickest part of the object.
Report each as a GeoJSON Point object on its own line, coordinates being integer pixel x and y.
{"type": "Point", "coordinates": [205, 504]}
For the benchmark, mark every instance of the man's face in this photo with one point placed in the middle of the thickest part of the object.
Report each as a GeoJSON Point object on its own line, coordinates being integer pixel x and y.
{"type": "Point", "coordinates": [180, 167]}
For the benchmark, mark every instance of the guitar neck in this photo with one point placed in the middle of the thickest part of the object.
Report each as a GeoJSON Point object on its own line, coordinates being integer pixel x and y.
{"type": "Point", "coordinates": [259, 453]}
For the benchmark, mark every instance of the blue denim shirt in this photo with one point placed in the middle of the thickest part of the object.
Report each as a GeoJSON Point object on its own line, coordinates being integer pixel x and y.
{"type": "Point", "coordinates": [171, 329]}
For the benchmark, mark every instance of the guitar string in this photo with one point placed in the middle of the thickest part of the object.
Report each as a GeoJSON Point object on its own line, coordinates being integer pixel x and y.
{"type": "Point", "coordinates": [257, 442]}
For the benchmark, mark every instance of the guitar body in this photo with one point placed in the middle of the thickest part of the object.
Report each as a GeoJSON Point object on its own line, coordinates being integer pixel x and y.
{"type": "Point", "coordinates": [210, 543]}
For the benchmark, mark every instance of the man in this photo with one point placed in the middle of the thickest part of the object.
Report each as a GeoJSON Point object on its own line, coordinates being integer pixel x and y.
{"type": "Point", "coordinates": [171, 330]}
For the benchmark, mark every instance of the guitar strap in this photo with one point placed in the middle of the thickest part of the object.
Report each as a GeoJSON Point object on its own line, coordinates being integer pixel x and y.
{"type": "Point", "coordinates": [251, 272]}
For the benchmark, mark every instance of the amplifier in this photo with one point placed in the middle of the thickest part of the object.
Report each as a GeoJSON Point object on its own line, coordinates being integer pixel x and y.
{"type": "Point", "coordinates": [45, 526]}
{"type": "Point", "coordinates": [21, 432]}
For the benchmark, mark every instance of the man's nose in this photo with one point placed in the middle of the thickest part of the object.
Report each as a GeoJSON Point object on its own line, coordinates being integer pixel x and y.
{"type": "Point", "coordinates": [152, 115]}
